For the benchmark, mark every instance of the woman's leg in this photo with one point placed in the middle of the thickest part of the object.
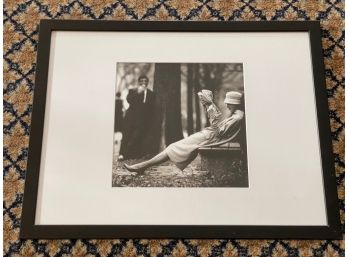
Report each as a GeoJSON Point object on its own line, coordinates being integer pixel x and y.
{"type": "Point", "coordinates": [158, 159]}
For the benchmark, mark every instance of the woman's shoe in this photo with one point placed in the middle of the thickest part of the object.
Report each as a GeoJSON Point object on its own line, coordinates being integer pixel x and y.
{"type": "Point", "coordinates": [132, 169]}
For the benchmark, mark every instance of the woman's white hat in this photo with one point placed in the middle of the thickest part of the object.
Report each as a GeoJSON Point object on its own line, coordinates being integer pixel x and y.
{"type": "Point", "coordinates": [233, 97]}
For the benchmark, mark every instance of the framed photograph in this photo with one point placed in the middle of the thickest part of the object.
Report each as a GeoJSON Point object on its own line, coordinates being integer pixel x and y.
{"type": "Point", "coordinates": [180, 130]}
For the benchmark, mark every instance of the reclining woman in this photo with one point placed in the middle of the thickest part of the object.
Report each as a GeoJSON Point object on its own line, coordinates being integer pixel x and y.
{"type": "Point", "coordinates": [183, 152]}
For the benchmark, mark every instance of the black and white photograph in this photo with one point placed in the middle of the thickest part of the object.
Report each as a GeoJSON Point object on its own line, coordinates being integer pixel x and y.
{"type": "Point", "coordinates": [179, 125]}
{"type": "Point", "coordinates": [168, 127]}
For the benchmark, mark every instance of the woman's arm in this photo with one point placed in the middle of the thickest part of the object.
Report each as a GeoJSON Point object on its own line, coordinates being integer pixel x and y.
{"type": "Point", "coordinates": [227, 126]}
{"type": "Point", "coordinates": [214, 114]}
{"type": "Point", "coordinates": [230, 124]}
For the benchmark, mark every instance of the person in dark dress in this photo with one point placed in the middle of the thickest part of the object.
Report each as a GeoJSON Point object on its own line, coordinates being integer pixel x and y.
{"type": "Point", "coordinates": [137, 120]}
{"type": "Point", "coordinates": [118, 113]}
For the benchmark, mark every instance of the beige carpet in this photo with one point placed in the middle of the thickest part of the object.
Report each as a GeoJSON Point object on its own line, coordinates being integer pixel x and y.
{"type": "Point", "coordinates": [21, 20]}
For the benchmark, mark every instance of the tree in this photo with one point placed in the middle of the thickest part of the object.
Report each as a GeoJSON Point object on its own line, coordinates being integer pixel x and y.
{"type": "Point", "coordinates": [197, 87]}
{"type": "Point", "coordinates": [167, 126]}
{"type": "Point", "coordinates": [212, 78]}
{"type": "Point", "coordinates": [190, 87]}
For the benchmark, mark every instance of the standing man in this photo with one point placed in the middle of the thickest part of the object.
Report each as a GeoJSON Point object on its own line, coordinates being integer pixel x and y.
{"type": "Point", "coordinates": [137, 120]}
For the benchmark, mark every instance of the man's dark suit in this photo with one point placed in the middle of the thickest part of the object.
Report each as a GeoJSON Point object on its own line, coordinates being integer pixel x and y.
{"type": "Point", "coordinates": [136, 123]}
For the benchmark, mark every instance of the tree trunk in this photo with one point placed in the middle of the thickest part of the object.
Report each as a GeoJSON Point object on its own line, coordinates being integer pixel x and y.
{"type": "Point", "coordinates": [197, 88]}
{"type": "Point", "coordinates": [190, 85]}
{"type": "Point", "coordinates": [172, 80]}
{"type": "Point", "coordinates": [167, 127]}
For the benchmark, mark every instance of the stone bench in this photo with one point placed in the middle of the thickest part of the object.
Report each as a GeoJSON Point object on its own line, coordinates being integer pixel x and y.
{"type": "Point", "coordinates": [224, 162]}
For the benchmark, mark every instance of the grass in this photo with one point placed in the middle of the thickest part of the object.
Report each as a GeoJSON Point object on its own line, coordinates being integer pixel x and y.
{"type": "Point", "coordinates": [168, 175]}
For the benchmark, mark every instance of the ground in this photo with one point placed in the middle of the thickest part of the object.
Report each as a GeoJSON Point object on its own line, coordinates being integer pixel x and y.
{"type": "Point", "coordinates": [168, 175]}
{"type": "Point", "coordinates": [165, 175]}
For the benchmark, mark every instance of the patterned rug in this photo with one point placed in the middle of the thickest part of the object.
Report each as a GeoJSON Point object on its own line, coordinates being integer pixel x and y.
{"type": "Point", "coordinates": [21, 20]}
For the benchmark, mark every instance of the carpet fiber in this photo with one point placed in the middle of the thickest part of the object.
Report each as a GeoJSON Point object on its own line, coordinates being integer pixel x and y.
{"type": "Point", "coordinates": [21, 19]}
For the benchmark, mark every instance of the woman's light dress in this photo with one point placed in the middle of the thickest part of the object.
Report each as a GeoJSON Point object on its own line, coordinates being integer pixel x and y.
{"type": "Point", "coordinates": [183, 152]}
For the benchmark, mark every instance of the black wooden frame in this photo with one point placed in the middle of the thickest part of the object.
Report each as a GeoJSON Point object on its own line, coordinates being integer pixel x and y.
{"type": "Point", "coordinates": [30, 230]}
